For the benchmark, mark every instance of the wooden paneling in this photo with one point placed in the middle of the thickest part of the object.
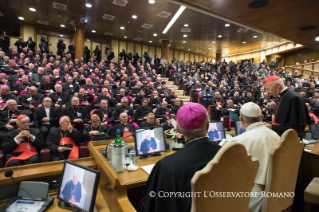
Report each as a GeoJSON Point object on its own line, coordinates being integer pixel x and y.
{"type": "Point", "coordinates": [89, 45]}
{"type": "Point", "coordinates": [176, 55]}
{"type": "Point", "coordinates": [114, 45]}
{"type": "Point", "coordinates": [191, 57]}
{"type": "Point", "coordinates": [103, 50]}
{"type": "Point", "coordinates": [138, 49]}
{"type": "Point", "coordinates": [94, 44]}
{"type": "Point", "coordinates": [196, 58]}
{"type": "Point", "coordinates": [254, 55]}
{"type": "Point", "coordinates": [299, 56]}
{"type": "Point", "coordinates": [159, 52]}
{"type": "Point", "coordinates": [122, 45]}
{"type": "Point", "coordinates": [130, 48]}
{"type": "Point", "coordinates": [28, 31]}
{"type": "Point", "coordinates": [145, 49]}
{"type": "Point", "coordinates": [186, 56]}
{"type": "Point", "coordinates": [171, 56]}
{"type": "Point", "coordinates": [151, 50]}
{"type": "Point", "coordinates": [181, 56]}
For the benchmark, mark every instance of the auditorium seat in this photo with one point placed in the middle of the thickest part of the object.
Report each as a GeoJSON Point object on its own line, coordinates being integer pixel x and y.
{"type": "Point", "coordinates": [200, 100]}
{"type": "Point", "coordinates": [20, 107]}
{"type": "Point", "coordinates": [153, 106]}
{"type": "Point", "coordinates": [138, 121]}
{"type": "Point", "coordinates": [169, 106]}
{"type": "Point", "coordinates": [191, 95]}
{"type": "Point", "coordinates": [211, 111]}
{"type": "Point", "coordinates": [116, 122]}
{"type": "Point", "coordinates": [83, 150]}
{"type": "Point", "coordinates": [225, 121]}
{"type": "Point", "coordinates": [135, 106]}
{"type": "Point", "coordinates": [185, 91]}
{"type": "Point", "coordinates": [312, 192]}
{"type": "Point", "coordinates": [31, 125]}
{"type": "Point", "coordinates": [179, 84]}
{"type": "Point", "coordinates": [96, 106]}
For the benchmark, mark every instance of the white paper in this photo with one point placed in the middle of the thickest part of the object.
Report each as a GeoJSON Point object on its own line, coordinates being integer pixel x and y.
{"type": "Point", "coordinates": [148, 168]}
{"type": "Point", "coordinates": [309, 141]}
{"type": "Point", "coordinates": [25, 205]}
{"type": "Point", "coordinates": [173, 122]}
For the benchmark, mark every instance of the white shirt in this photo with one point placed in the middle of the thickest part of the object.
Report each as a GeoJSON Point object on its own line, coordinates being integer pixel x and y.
{"type": "Point", "coordinates": [258, 141]}
{"type": "Point", "coordinates": [47, 111]}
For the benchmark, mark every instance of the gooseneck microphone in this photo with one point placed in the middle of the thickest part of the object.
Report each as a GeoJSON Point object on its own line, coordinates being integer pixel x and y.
{"type": "Point", "coordinates": [9, 173]}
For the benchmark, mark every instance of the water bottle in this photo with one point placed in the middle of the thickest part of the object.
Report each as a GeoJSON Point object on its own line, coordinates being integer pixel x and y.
{"type": "Point", "coordinates": [117, 150]}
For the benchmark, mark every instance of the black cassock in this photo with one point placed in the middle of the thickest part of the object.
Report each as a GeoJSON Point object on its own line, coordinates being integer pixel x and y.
{"type": "Point", "coordinates": [70, 190]}
{"type": "Point", "coordinates": [174, 174]}
{"type": "Point", "coordinates": [54, 138]}
{"type": "Point", "coordinates": [291, 113]}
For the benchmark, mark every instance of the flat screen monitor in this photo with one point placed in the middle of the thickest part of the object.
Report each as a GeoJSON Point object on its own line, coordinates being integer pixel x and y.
{"type": "Point", "coordinates": [239, 128]}
{"type": "Point", "coordinates": [148, 141]}
{"type": "Point", "coordinates": [78, 186]}
{"type": "Point", "coordinates": [215, 135]}
{"type": "Point", "coordinates": [218, 125]}
{"type": "Point", "coordinates": [314, 131]}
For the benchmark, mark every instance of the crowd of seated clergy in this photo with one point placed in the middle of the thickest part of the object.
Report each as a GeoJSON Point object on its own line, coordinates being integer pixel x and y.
{"type": "Point", "coordinates": [124, 95]}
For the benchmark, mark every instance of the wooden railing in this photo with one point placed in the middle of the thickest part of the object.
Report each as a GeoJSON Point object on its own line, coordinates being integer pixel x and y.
{"type": "Point", "coordinates": [306, 69]}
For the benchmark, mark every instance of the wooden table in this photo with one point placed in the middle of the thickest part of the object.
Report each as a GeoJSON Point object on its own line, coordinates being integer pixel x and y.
{"type": "Point", "coordinates": [113, 186]}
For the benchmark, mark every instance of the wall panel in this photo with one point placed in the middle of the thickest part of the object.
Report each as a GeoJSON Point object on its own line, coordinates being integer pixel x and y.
{"type": "Point", "coordinates": [171, 56]}
{"type": "Point", "coordinates": [181, 56]}
{"type": "Point", "coordinates": [104, 45]}
{"type": "Point", "coordinates": [138, 49]}
{"type": "Point", "coordinates": [28, 31]}
{"type": "Point", "coordinates": [130, 48]}
{"type": "Point", "coordinates": [186, 56]}
{"type": "Point", "coordinates": [191, 57]}
{"type": "Point", "coordinates": [159, 52]}
{"type": "Point", "coordinates": [151, 50]}
{"type": "Point", "coordinates": [94, 44]}
{"type": "Point", "coordinates": [176, 55]}
{"type": "Point", "coordinates": [115, 46]}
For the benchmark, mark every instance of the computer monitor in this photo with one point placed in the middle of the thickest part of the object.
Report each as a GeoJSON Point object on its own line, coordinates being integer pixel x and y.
{"type": "Point", "coordinates": [218, 125]}
{"type": "Point", "coordinates": [78, 186]}
{"type": "Point", "coordinates": [149, 141]}
{"type": "Point", "coordinates": [314, 131]}
{"type": "Point", "coordinates": [239, 128]}
{"type": "Point", "coordinates": [215, 135]}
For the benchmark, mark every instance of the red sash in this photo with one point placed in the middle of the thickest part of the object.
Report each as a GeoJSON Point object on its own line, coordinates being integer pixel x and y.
{"type": "Point", "coordinates": [129, 134]}
{"type": "Point", "coordinates": [219, 103]}
{"type": "Point", "coordinates": [273, 120]}
{"type": "Point", "coordinates": [314, 117]}
{"type": "Point", "coordinates": [74, 154]}
{"type": "Point", "coordinates": [26, 153]}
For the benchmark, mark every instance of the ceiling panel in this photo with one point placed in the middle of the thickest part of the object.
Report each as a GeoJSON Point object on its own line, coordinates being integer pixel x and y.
{"type": "Point", "coordinates": [204, 28]}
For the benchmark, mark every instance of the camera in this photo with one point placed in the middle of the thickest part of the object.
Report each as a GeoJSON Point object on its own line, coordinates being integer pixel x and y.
{"type": "Point", "coordinates": [42, 39]}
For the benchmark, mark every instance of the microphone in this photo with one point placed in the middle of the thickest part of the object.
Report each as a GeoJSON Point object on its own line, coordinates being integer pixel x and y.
{"type": "Point", "coordinates": [141, 130]}
{"type": "Point", "coordinates": [9, 173]}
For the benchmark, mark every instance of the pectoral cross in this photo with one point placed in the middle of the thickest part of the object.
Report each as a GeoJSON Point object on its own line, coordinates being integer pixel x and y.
{"type": "Point", "coordinates": [28, 147]}
{"type": "Point", "coordinates": [63, 142]}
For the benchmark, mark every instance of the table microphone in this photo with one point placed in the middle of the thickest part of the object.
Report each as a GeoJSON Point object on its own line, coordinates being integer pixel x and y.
{"type": "Point", "coordinates": [9, 173]}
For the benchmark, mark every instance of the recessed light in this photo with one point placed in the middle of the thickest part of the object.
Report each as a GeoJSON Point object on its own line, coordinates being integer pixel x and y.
{"type": "Point", "coordinates": [150, 41]}
{"type": "Point", "coordinates": [93, 31]}
{"type": "Point", "coordinates": [244, 42]}
{"type": "Point", "coordinates": [227, 25]}
{"type": "Point", "coordinates": [209, 48]}
{"type": "Point", "coordinates": [255, 36]}
{"type": "Point", "coordinates": [219, 36]}
{"type": "Point", "coordinates": [32, 9]}
{"type": "Point", "coordinates": [61, 35]}
{"type": "Point", "coordinates": [62, 25]}
{"type": "Point", "coordinates": [184, 41]}
{"type": "Point", "coordinates": [236, 48]}
{"type": "Point", "coordinates": [87, 39]}
{"type": "Point", "coordinates": [185, 36]}
{"type": "Point", "coordinates": [134, 16]}
{"type": "Point", "coordinates": [125, 37]}
{"type": "Point", "coordinates": [155, 34]}
{"type": "Point", "coordinates": [185, 25]}
{"type": "Point", "coordinates": [169, 44]}
{"type": "Point", "coordinates": [21, 18]}
{"type": "Point", "coordinates": [317, 38]}
{"type": "Point", "coordinates": [122, 28]}
{"type": "Point", "coordinates": [88, 5]}
{"type": "Point", "coordinates": [151, 1]}
{"type": "Point", "coordinates": [189, 49]}
{"type": "Point", "coordinates": [214, 42]}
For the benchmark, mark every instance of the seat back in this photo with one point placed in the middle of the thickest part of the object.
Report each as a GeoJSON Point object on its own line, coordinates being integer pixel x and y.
{"type": "Point", "coordinates": [231, 170]}
{"type": "Point", "coordinates": [282, 171]}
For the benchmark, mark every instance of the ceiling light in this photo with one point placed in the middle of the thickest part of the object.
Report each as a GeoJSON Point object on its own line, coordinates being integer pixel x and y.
{"type": "Point", "coordinates": [185, 36]}
{"type": "Point", "coordinates": [219, 36]}
{"type": "Point", "coordinates": [184, 41]}
{"type": "Point", "coordinates": [169, 44]}
{"type": "Point", "coordinates": [177, 14]}
{"type": "Point", "coordinates": [155, 34]}
{"type": "Point", "coordinates": [32, 9]}
{"type": "Point", "coordinates": [209, 48]}
{"type": "Point", "coordinates": [227, 25]}
{"type": "Point", "coordinates": [255, 36]}
{"type": "Point", "coordinates": [21, 18]}
{"type": "Point", "coordinates": [151, 1]}
{"type": "Point", "coordinates": [317, 38]}
{"type": "Point", "coordinates": [61, 35]}
{"type": "Point", "coordinates": [150, 41]}
{"type": "Point", "coordinates": [88, 5]}
{"type": "Point", "coordinates": [214, 42]}
{"type": "Point", "coordinates": [244, 42]}
{"type": "Point", "coordinates": [134, 16]}
{"type": "Point", "coordinates": [125, 37]}
{"type": "Point", "coordinates": [122, 28]}
{"type": "Point", "coordinates": [62, 25]}
{"type": "Point", "coordinates": [189, 49]}
{"type": "Point", "coordinates": [185, 25]}
{"type": "Point", "coordinates": [93, 31]}
{"type": "Point", "coordinates": [87, 39]}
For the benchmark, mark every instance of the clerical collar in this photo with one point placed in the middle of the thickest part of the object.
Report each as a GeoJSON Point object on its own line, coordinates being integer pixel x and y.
{"type": "Point", "coordinates": [194, 139]}
{"type": "Point", "coordinates": [123, 124]}
{"type": "Point", "coordinates": [282, 93]}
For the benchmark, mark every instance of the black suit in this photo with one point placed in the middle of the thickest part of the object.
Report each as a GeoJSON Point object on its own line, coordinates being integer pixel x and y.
{"type": "Point", "coordinates": [120, 126]}
{"type": "Point", "coordinates": [119, 109]}
{"type": "Point", "coordinates": [44, 87]}
{"type": "Point", "coordinates": [5, 116]}
{"type": "Point", "coordinates": [141, 112]}
{"type": "Point", "coordinates": [70, 88]}
{"type": "Point", "coordinates": [64, 97]}
{"type": "Point", "coordinates": [40, 113]}
{"type": "Point", "coordinates": [102, 113]}
{"type": "Point", "coordinates": [26, 103]}
{"type": "Point", "coordinates": [9, 145]}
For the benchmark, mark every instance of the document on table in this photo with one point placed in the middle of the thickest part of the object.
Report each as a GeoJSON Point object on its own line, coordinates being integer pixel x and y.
{"type": "Point", "coordinates": [148, 168]}
{"type": "Point", "coordinates": [25, 205]}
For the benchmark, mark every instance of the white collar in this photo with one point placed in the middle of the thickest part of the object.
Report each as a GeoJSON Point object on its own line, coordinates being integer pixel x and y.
{"type": "Point", "coordinates": [254, 125]}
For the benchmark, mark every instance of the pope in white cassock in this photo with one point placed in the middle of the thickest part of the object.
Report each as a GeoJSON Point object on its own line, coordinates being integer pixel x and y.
{"type": "Point", "coordinates": [258, 141]}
